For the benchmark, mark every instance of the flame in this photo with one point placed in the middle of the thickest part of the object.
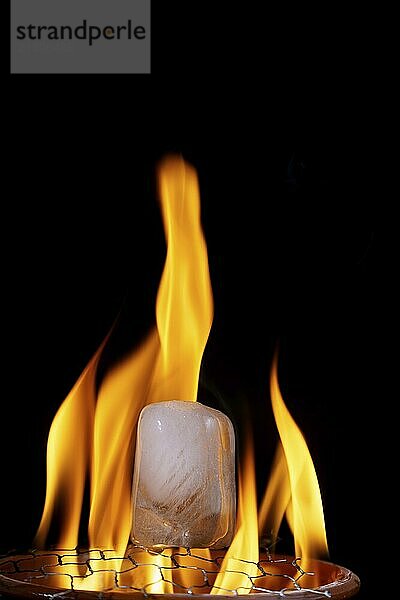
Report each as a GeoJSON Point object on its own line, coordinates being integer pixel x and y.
{"type": "Point", "coordinates": [166, 366]}
{"type": "Point", "coordinates": [121, 397]}
{"type": "Point", "coordinates": [189, 577]}
{"type": "Point", "coordinates": [100, 436]}
{"type": "Point", "coordinates": [184, 302]}
{"type": "Point", "coordinates": [276, 498]}
{"type": "Point", "coordinates": [245, 543]}
{"type": "Point", "coordinates": [95, 434]}
{"type": "Point", "coordinates": [303, 506]}
{"type": "Point", "coordinates": [68, 452]}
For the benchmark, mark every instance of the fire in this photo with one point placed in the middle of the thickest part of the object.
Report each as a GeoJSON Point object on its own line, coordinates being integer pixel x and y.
{"type": "Point", "coordinates": [93, 434]}
{"type": "Point", "coordinates": [276, 498]}
{"type": "Point", "coordinates": [184, 302]}
{"type": "Point", "coordinates": [293, 487]}
{"type": "Point", "coordinates": [100, 434]}
{"type": "Point", "coordinates": [166, 366]}
{"type": "Point", "coordinates": [121, 397]}
{"type": "Point", "coordinates": [245, 543]}
{"type": "Point", "coordinates": [68, 452]}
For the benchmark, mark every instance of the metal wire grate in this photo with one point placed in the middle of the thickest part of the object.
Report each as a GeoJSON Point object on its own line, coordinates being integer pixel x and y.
{"type": "Point", "coordinates": [146, 571]}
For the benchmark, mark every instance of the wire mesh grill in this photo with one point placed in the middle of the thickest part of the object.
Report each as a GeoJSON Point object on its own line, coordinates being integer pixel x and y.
{"type": "Point", "coordinates": [147, 571]}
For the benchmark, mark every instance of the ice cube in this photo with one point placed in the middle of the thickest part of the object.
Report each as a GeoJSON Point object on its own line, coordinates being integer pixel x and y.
{"type": "Point", "coordinates": [184, 479]}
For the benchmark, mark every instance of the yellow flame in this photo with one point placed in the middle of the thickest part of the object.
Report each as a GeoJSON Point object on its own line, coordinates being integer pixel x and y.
{"type": "Point", "coordinates": [99, 437]}
{"type": "Point", "coordinates": [304, 506]}
{"type": "Point", "coordinates": [191, 575]}
{"type": "Point", "coordinates": [121, 397]}
{"type": "Point", "coordinates": [166, 366]}
{"type": "Point", "coordinates": [68, 457]}
{"type": "Point", "coordinates": [184, 302]}
{"type": "Point", "coordinates": [245, 543]}
{"type": "Point", "coordinates": [276, 498]}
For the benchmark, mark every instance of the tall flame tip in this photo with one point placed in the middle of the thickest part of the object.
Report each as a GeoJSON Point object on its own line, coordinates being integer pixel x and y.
{"type": "Point", "coordinates": [293, 488]}
{"type": "Point", "coordinates": [95, 432]}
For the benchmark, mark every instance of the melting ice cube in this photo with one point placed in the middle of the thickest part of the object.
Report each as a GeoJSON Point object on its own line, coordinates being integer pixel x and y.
{"type": "Point", "coordinates": [184, 479]}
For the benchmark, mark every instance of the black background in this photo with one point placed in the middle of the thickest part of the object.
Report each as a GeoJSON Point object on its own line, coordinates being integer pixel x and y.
{"type": "Point", "coordinates": [273, 113]}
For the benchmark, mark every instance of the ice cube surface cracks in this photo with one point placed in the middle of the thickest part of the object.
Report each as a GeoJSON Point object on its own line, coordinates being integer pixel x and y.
{"type": "Point", "coordinates": [184, 481]}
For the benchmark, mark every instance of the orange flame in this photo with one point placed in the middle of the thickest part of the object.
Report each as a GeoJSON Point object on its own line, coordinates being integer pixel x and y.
{"type": "Point", "coordinates": [166, 366]}
{"type": "Point", "coordinates": [245, 543]}
{"type": "Point", "coordinates": [184, 302]}
{"type": "Point", "coordinates": [96, 435]}
{"type": "Point", "coordinates": [121, 397]}
{"type": "Point", "coordinates": [68, 457]}
{"type": "Point", "coordinates": [293, 487]}
{"type": "Point", "coordinates": [276, 498]}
